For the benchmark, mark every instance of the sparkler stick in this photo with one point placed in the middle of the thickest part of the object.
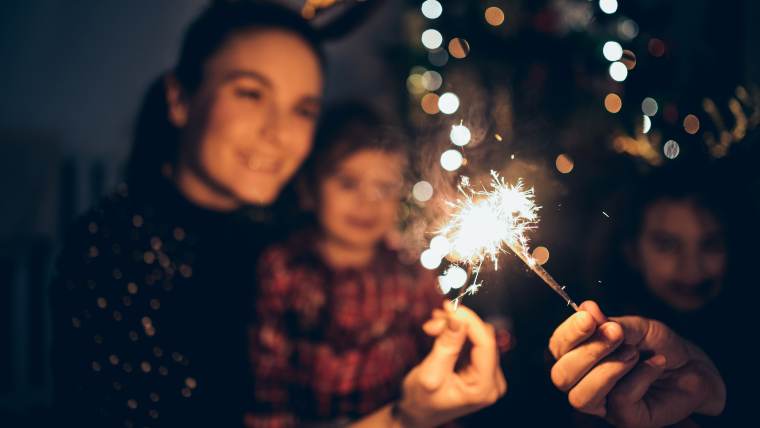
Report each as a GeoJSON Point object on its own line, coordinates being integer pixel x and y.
{"type": "Point", "coordinates": [489, 221]}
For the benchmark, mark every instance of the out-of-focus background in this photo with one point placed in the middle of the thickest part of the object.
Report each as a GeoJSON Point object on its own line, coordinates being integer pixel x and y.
{"type": "Point", "coordinates": [543, 93]}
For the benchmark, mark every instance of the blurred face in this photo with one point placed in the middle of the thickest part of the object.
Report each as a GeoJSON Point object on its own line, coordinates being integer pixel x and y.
{"type": "Point", "coordinates": [681, 253]}
{"type": "Point", "coordinates": [250, 124]}
{"type": "Point", "coordinates": [360, 200]}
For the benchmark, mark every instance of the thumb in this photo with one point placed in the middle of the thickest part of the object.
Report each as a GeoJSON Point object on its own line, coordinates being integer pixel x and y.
{"type": "Point", "coordinates": [632, 388]}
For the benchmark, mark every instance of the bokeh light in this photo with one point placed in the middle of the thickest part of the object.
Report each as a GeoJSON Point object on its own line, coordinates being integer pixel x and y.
{"type": "Point", "coordinates": [414, 84]}
{"type": "Point", "coordinates": [451, 160]}
{"type": "Point", "coordinates": [431, 9]}
{"type": "Point", "coordinates": [671, 149]}
{"type": "Point", "coordinates": [432, 80]}
{"type": "Point", "coordinates": [628, 29]}
{"type": "Point", "coordinates": [656, 47]}
{"type": "Point", "coordinates": [540, 255]}
{"type": "Point", "coordinates": [460, 135]}
{"type": "Point", "coordinates": [459, 48]}
{"type": "Point", "coordinates": [438, 57]}
{"type": "Point", "coordinates": [691, 124]}
{"type": "Point", "coordinates": [448, 103]}
{"type": "Point", "coordinates": [429, 103]}
{"type": "Point", "coordinates": [430, 259]}
{"type": "Point", "coordinates": [612, 51]}
{"type": "Point", "coordinates": [564, 164]}
{"type": "Point", "coordinates": [608, 6]}
{"type": "Point", "coordinates": [647, 125]}
{"type": "Point", "coordinates": [422, 191]}
{"type": "Point", "coordinates": [432, 38]}
{"type": "Point", "coordinates": [629, 59]}
{"type": "Point", "coordinates": [649, 106]}
{"type": "Point", "coordinates": [441, 245]}
{"type": "Point", "coordinates": [618, 71]}
{"type": "Point", "coordinates": [494, 16]}
{"type": "Point", "coordinates": [613, 103]}
{"type": "Point", "coordinates": [454, 278]}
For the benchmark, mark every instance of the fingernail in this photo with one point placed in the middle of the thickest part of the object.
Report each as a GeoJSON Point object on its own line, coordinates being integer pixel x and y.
{"type": "Point", "coordinates": [658, 360]}
{"type": "Point", "coordinates": [609, 331]}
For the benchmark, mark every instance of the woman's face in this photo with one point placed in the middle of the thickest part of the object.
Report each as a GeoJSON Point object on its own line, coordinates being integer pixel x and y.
{"type": "Point", "coordinates": [250, 124]}
{"type": "Point", "coordinates": [359, 202]}
{"type": "Point", "coordinates": [681, 253]}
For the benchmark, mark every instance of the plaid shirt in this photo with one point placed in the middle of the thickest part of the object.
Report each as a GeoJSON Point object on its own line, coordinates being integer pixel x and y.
{"type": "Point", "coordinates": [332, 345]}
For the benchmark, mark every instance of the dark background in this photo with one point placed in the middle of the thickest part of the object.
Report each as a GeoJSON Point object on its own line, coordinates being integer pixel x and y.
{"type": "Point", "coordinates": [72, 74]}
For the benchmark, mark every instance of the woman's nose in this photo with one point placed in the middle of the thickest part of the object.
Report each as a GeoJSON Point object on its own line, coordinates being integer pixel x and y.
{"type": "Point", "coordinates": [271, 129]}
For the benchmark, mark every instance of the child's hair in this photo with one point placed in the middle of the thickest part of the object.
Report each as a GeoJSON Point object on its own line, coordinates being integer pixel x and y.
{"type": "Point", "coordinates": [344, 130]}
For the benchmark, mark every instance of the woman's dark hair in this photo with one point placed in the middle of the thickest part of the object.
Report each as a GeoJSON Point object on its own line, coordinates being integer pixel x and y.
{"type": "Point", "coordinates": [155, 139]}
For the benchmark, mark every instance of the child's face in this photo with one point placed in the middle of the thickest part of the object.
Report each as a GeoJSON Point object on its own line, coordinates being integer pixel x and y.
{"type": "Point", "coordinates": [360, 200]}
{"type": "Point", "coordinates": [681, 253]}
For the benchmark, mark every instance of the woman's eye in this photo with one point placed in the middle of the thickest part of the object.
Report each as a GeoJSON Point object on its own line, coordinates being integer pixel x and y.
{"type": "Point", "coordinates": [307, 113]}
{"type": "Point", "coordinates": [252, 94]}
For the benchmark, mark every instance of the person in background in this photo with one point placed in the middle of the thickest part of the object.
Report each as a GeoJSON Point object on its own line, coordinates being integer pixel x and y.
{"type": "Point", "coordinates": [339, 315]}
{"type": "Point", "coordinates": [678, 273]}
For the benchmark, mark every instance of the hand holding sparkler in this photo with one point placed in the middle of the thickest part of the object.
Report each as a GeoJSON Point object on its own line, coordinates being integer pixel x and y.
{"type": "Point", "coordinates": [601, 367]}
{"type": "Point", "coordinates": [486, 223]}
{"type": "Point", "coordinates": [435, 391]}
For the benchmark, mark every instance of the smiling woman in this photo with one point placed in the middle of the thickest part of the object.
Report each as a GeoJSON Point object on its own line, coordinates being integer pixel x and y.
{"type": "Point", "coordinates": [153, 290]}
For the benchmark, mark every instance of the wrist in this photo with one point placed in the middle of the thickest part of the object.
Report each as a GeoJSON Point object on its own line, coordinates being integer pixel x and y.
{"type": "Point", "coordinates": [402, 417]}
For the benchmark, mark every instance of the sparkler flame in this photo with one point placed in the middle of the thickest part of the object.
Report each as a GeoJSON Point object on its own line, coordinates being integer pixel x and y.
{"type": "Point", "coordinates": [487, 222]}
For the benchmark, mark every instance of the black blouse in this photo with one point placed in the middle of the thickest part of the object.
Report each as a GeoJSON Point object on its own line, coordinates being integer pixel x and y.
{"type": "Point", "coordinates": [151, 305]}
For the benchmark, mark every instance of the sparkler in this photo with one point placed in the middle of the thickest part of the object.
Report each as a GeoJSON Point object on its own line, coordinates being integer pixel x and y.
{"type": "Point", "coordinates": [487, 222]}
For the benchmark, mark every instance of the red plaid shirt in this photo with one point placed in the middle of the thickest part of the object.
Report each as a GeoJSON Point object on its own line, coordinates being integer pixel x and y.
{"type": "Point", "coordinates": [334, 344]}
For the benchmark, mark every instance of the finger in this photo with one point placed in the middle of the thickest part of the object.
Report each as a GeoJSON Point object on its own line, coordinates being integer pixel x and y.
{"type": "Point", "coordinates": [632, 388]}
{"type": "Point", "coordinates": [440, 362]}
{"type": "Point", "coordinates": [484, 354]}
{"type": "Point", "coordinates": [569, 369]}
{"type": "Point", "coordinates": [437, 322]}
{"type": "Point", "coordinates": [591, 307]}
{"type": "Point", "coordinates": [435, 326]}
{"type": "Point", "coordinates": [593, 388]}
{"type": "Point", "coordinates": [651, 335]}
{"type": "Point", "coordinates": [571, 333]}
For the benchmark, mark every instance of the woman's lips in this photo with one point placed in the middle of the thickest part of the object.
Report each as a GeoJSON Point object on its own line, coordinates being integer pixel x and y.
{"type": "Point", "coordinates": [259, 163]}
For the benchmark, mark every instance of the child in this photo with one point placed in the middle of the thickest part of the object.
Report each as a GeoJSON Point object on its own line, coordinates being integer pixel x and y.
{"type": "Point", "coordinates": [339, 315]}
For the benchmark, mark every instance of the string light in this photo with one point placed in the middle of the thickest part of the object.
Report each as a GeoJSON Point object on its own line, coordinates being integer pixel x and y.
{"type": "Point", "coordinates": [494, 16]}
{"type": "Point", "coordinates": [448, 103]}
{"type": "Point", "coordinates": [649, 106]}
{"type": "Point", "coordinates": [451, 160]}
{"type": "Point", "coordinates": [432, 38]}
{"type": "Point", "coordinates": [618, 71]}
{"type": "Point", "coordinates": [608, 6]}
{"type": "Point", "coordinates": [422, 191]}
{"type": "Point", "coordinates": [460, 135]}
{"type": "Point", "coordinates": [431, 9]}
{"type": "Point", "coordinates": [612, 51]}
